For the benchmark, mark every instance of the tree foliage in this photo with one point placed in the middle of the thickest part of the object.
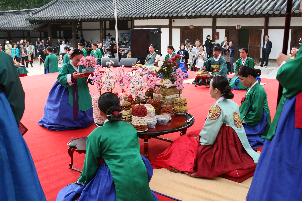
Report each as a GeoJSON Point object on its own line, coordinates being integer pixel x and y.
{"type": "Point", "coordinates": [21, 4]}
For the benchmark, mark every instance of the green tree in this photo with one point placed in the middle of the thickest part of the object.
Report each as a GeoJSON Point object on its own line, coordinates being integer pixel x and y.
{"type": "Point", "coordinates": [21, 4]}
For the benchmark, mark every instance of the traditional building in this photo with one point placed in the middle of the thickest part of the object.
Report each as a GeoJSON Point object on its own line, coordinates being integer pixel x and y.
{"type": "Point", "coordinates": [15, 26]}
{"type": "Point", "coordinates": [171, 22]}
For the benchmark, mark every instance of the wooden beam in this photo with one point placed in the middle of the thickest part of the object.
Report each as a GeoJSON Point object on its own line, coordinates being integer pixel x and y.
{"type": "Point", "coordinates": [74, 34]}
{"type": "Point", "coordinates": [213, 28]}
{"type": "Point", "coordinates": [170, 26]}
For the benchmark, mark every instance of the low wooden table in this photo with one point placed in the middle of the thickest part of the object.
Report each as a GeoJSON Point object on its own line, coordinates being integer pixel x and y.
{"type": "Point", "coordinates": [205, 78]}
{"type": "Point", "coordinates": [179, 123]}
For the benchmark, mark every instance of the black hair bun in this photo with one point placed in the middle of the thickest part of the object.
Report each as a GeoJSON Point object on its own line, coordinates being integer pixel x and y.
{"type": "Point", "coordinates": [114, 113]}
{"type": "Point", "coordinates": [227, 93]}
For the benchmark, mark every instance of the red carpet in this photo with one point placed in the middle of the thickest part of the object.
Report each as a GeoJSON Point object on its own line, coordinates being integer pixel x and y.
{"type": "Point", "coordinates": [49, 148]}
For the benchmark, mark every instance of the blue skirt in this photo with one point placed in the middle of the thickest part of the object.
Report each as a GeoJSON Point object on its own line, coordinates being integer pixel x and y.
{"type": "Point", "coordinates": [18, 176]}
{"type": "Point", "coordinates": [278, 174]}
{"type": "Point", "coordinates": [183, 67]}
{"type": "Point", "coordinates": [58, 113]}
{"type": "Point", "coordinates": [255, 133]}
{"type": "Point", "coordinates": [100, 188]}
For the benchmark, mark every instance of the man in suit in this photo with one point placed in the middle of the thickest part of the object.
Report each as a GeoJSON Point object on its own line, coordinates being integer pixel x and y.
{"type": "Point", "coordinates": [266, 51]}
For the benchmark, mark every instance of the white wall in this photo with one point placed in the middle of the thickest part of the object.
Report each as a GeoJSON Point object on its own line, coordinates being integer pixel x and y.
{"type": "Point", "coordinates": [205, 33]}
{"type": "Point", "coordinates": [240, 21]}
{"type": "Point", "coordinates": [151, 22]}
{"type": "Point", "coordinates": [164, 40]}
{"type": "Point", "coordinates": [91, 25]}
{"type": "Point", "coordinates": [280, 21]}
{"type": "Point", "coordinates": [222, 33]}
{"type": "Point", "coordinates": [92, 35]}
{"type": "Point", "coordinates": [296, 21]}
{"type": "Point", "coordinates": [176, 38]}
{"type": "Point", "coordinates": [195, 22]}
{"type": "Point", "coordinates": [276, 37]}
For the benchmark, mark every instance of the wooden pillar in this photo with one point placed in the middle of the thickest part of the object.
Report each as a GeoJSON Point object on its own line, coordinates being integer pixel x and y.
{"type": "Point", "coordinates": [170, 25]}
{"type": "Point", "coordinates": [49, 31]}
{"type": "Point", "coordinates": [213, 28]}
{"type": "Point", "coordinates": [132, 23]}
{"type": "Point", "coordinates": [266, 26]}
{"type": "Point", "coordinates": [74, 34]}
{"type": "Point", "coordinates": [105, 29]}
{"type": "Point", "coordinates": [101, 31]}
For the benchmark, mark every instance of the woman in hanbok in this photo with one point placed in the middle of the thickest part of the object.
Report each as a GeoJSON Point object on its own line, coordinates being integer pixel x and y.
{"type": "Point", "coordinates": [221, 148]}
{"type": "Point", "coordinates": [244, 60]}
{"type": "Point", "coordinates": [113, 167]}
{"type": "Point", "coordinates": [278, 175]}
{"type": "Point", "coordinates": [18, 176]}
{"type": "Point", "coordinates": [69, 104]}
{"type": "Point", "coordinates": [51, 62]}
{"type": "Point", "coordinates": [254, 109]}
{"type": "Point", "coordinates": [66, 58]}
{"type": "Point", "coordinates": [184, 56]}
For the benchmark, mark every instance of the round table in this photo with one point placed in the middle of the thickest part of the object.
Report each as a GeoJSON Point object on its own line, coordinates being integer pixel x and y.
{"type": "Point", "coordinates": [178, 123]}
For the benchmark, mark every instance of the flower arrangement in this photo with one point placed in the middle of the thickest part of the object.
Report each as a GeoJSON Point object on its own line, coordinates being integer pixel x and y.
{"type": "Point", "coordinates": [168, 68]}
{"type": "Point", "coordinates": [89, 62]}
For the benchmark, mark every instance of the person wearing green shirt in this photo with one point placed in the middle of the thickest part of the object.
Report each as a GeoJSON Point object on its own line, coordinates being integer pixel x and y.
{"type": "Point", "coordinates": [81, 46]}
{"type": "Point", "coordinates": [96, 53]}
{"type": "Point", "coordinates": [113, 164]}
{"type": "Point", "coordinates": [66, 59]}
{"type": "Point", "coordinates": [170, 53]}
{"type": "Point", "coordinates": [244, 60]}
{"type": "Point", "coordinates": [254, 109]}
{"type": "Point", "coordinates": [278, 175]}
{"type": "Point", "coordinates": [217, 64]}
{"type": "Point", "coordinates": [69, 105]}
{"type": "Point", "coordinates": [19, 180]}
{"type": "Point", "coordinates": [51, 62]}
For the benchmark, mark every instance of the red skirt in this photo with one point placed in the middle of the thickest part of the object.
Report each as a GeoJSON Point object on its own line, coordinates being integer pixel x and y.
{"type": "Point", "coordinates": [226, 157]}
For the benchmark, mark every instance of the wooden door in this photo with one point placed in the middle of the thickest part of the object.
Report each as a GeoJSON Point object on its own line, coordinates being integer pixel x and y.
{"type": "Point", "coordinates": [254, 47]}
{"type": "Point", "coordinates": [192, 34]}
{"type": "Point", "coordinates": [140, 41]}
{"type": "Point", "coordinates": [296, 35]}
{"type": "Point", "coordinates": [232, 35]}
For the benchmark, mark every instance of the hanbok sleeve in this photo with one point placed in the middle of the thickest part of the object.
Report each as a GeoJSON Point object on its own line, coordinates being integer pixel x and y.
{"type": "Point", "coordinates": [236, 67]}
{"type": "Point", "coordinates": [91, 163]}
{"type": "Point", "coordinates": [290, 75]}
{"type": "Point", "coordinates": [63, 76]}
{"type": "Point", "coordinates": [207, 65]}
{"type": "Point", "coordinates": [251, 63]}
{"type": "Point", "coordinates": [11, 86]}
{"type": "Point", "coordinates": [223, 68]}
{"type": "Point", "coordinates": [212, 126]}
{"type": "Point", "coordinates": [253, 108]}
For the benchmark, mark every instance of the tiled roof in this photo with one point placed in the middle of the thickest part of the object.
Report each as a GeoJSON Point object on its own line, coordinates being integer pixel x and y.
{"type": "Point", "coordinates": [88, 10]}
{"type": "Point", "coordinates": [15, 20]}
